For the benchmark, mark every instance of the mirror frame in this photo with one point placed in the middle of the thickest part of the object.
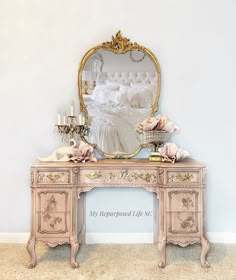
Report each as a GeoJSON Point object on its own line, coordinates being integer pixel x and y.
{"type": "Point", "coordinates": [118, 45]}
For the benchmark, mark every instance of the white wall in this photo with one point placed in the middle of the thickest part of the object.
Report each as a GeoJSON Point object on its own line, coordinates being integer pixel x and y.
{"type": "Point", "coordinates": [41, 45]}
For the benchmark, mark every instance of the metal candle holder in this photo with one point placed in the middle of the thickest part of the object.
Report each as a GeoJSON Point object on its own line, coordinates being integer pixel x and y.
{"type": "Point", "coordinates": [71, 128]}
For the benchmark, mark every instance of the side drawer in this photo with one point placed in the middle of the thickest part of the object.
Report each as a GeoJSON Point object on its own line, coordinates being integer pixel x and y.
{"type": "Point", "coordinates": [184, 211]}
{"type": "Point", "coordinates": [53, 212]}
{"type": "Point", "coordinates": [55, 176]}
{"type": "Point", "coordinates": [177, 176]}
{"type": "Point", "coordinates": [183, 223]}
{"type": "Point", "coordinates": [184, 200]}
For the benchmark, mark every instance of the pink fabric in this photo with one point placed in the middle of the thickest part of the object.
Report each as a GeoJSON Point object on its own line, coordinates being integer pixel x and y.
{"type": "Point", "coordinates": [82, 153]}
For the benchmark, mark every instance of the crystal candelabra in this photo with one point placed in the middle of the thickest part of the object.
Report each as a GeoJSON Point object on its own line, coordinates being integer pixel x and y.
{"type": "Point", "coordinates": [72, 126]}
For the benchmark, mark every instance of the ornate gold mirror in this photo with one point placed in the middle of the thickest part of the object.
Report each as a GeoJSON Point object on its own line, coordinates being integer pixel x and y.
{"type": "Point", "coordinates": [119, 86]}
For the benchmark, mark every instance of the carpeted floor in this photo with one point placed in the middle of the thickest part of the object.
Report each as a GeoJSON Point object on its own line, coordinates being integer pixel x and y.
{"type": "Point", "coordinates": [117, 262]}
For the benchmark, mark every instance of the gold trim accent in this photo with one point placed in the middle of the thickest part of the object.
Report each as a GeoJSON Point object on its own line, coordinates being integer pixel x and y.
{"type": "Point", "coordinates": [185, 177]}
{"type": "Point", "coordinates": [123, 176]}
{"type": "Point", "coordinates": [181, 177]}
{"type": "Point", "coordinates": [53, 177]}
{"type": "Point", "coordinates": [147, 177]}
{"type": "Point", "coordinates": [118, 45]}
{"type": "Point", "coordinates": [94, 175]}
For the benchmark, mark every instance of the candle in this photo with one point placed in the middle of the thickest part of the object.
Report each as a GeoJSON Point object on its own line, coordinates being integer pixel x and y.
{"type": "Point", "coordinates": [64, 118]}
{"type": "Point", "coordinates": [81, 119]}
{"type": "Point", "coordinates": [72, 109]}
{"type": "Point", "coordinates": [58, 118]}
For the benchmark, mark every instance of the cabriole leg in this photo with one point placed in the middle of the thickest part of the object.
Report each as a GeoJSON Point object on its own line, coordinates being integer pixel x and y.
{"type": "Point", "coordinates": [204, 252]}
{"type": "Point", "coordinates": [74, 250]}
{"type": "Point", "coordinates": [31, 251]}
{"type": "Point", "coordinates": [162, 249]}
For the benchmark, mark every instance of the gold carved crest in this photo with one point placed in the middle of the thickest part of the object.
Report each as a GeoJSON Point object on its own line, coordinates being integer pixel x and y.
{"type": "Point", "coordinates": [120, 44]}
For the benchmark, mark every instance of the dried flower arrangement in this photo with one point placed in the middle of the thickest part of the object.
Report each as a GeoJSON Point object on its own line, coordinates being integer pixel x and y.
{"type": "Point", "coordinates": [158, 130]}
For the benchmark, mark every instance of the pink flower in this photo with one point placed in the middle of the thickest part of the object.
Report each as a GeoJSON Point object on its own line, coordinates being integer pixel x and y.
{"type": "Point", "coordinates": [82, 153]}
{"type": "Point", "coordinates": [159, 122]}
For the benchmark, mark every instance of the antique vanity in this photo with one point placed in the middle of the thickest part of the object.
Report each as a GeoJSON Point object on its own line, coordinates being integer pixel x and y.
{"type": "Point", "coordinates": [58, 188]}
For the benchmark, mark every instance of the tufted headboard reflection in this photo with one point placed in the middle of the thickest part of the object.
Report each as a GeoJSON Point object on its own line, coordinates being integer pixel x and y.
{"type": "Point", "coordinates": [128, 77]}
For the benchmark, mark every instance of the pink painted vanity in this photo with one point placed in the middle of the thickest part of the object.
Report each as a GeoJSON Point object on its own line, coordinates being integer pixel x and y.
{"type": "Point", "coordinates": [58, 218]}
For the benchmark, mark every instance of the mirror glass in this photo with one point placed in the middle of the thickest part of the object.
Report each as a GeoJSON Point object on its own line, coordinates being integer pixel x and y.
{"type": "Point", "coordinates": [118, 91]}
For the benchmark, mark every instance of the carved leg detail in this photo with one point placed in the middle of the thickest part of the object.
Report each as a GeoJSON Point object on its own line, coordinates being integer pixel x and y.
{"type": "Point", "coordinates": [205, 250]}
{"type": "Point", "coordinates": [31, 251]}
{"type": "Point", "coordinates": [74, 250]}
{"type": "Point", "coordinates": [162, 249]}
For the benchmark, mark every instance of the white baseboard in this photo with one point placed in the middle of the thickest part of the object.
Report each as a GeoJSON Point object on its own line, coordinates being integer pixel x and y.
{"type": "Point", "coordinates": [18, 237]}
{"type": "Point", "coordinates": [221, 237]}
{"type": "Point", "coordinates": [120, 237]}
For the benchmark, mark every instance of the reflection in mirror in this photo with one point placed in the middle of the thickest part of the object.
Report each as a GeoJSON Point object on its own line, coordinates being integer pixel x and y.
{"type": "Point", "coordinates": [118, 98]}
{"type": "Point", "coordinates": [119, 90]}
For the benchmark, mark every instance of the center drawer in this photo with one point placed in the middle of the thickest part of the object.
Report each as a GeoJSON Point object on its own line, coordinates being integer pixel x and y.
{"type": "Point", "coordinates": [122, 176]}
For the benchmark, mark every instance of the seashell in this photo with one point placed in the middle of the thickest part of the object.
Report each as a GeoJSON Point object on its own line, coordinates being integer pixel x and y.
{"type": "Point", "coordinates": [60, 154]}
{"type": "Point", "coordinates": [181, 153]}
{"type": "Point", "coordinates": [170, 152]}
{"type": "Point", "coordinates": [77, 153]}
